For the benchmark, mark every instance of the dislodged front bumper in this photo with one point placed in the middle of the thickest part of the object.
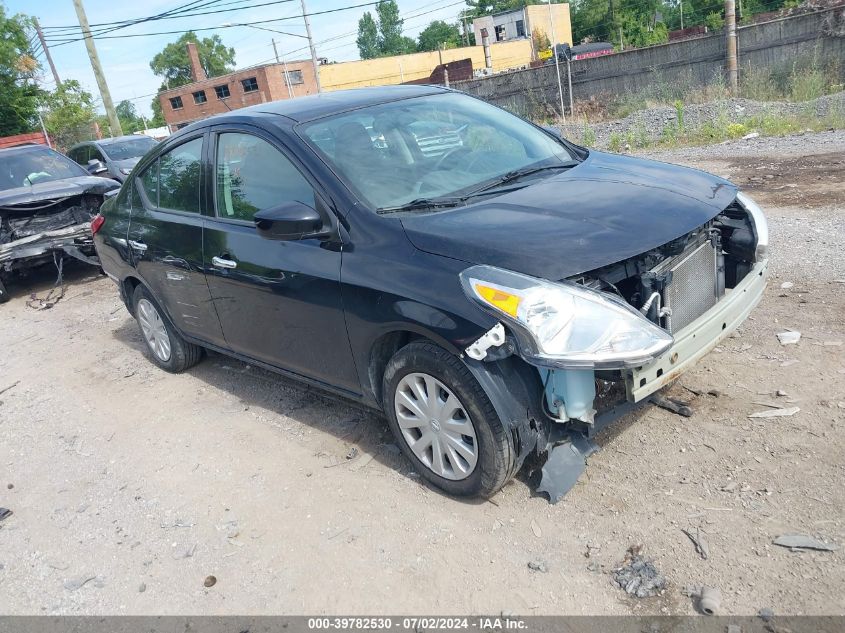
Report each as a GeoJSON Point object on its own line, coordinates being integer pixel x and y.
{"type": "Point", "coordinates": [700, 336]}
{"type": "Point", "coordinates": [71, 240]}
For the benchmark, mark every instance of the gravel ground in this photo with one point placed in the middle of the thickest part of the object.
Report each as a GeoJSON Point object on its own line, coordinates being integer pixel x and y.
{"type": "Point", "coordinates": [130, 486]}
{"type": "Point", "coordinates": [650, 122]}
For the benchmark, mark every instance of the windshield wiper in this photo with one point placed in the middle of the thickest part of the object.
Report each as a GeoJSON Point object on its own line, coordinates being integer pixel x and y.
{"type": "Point", "coordinates": [424, 203]}
{"type": "Point", "coordinates": [518, 174]}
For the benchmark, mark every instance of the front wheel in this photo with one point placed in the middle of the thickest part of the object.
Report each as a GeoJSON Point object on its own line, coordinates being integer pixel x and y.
{"type": "Point", "coordinates": [445, 423]}
{"type": "Point", "coordinates": [165, 346]}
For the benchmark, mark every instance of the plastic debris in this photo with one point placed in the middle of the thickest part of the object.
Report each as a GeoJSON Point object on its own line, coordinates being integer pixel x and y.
{"type": "Point", "coordinates": [776, 413]}
{"type": "Point", "coordinates": [801, 541]}
{"type": "Point", "coordinates": [789, 337]}
{"type": "Point", "coordinates": [538, 565]}
{"type": "Point", "coordinates": [709, 600]}
{"type": "Point", "coordinates": [639, 577]}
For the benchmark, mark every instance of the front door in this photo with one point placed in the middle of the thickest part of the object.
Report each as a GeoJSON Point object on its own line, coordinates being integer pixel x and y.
{"type": "Point", "coordinates": [165, 239]}
{"type": "Point", "coordinates": [278, 301]}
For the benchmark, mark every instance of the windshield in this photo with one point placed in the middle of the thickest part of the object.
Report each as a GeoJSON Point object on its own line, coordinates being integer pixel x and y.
{"type": "Point", "coordinates": [32, 166]}
{"type": "Point", "coordinates": [393, 154]}
{"type": "Point", "coordinates": [131, 148]}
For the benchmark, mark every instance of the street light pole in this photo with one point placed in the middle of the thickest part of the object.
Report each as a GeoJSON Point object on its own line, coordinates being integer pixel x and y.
{"type": "Point", "coordinates": [311, 46]}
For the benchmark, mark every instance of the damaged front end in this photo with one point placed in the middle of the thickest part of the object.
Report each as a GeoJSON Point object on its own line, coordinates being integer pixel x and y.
{"type": "Point", "coordinates": [34, 228]}
{"type": "Point", "coordinates": [606, 340]}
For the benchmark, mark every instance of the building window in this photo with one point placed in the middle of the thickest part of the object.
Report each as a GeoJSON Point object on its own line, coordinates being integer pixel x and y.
{"type": "Point", "coordinates": [501, 35]}
{"type": "Point", "coordinates": [176, 103]}
{"type": "Point", "coordinates": [250, 85]}
{"type": "Point", "coordinates": [222, 92]}
{"type": "Point", "coordinates": [199, 97]}
{"type": "Point", "coordinates": [294, 77]}
{"type": "Point", "coordinates": [520, 28]}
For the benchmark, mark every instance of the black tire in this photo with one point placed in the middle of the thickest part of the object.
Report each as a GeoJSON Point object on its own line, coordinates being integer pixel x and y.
{"type": "Point", "coordinates": [4, 294]}
{"type": "Point", "coordinates": [183, 355]}
{"type": "Point", "coordinates": [496, 463]}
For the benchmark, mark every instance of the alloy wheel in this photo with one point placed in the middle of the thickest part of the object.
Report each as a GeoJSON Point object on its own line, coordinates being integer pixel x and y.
{"type": "Point", "coordinates": [436, 426]}
{"type": "Point", "coordinates": [154, 330]}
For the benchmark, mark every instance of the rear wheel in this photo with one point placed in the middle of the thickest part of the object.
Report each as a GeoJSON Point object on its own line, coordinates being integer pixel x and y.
{"type": "Point", "coordinates": [4, 295]}
{"type": "Point", "coordinates": [164, 345]}
{"type": "Point", "coordinates": [445, 423]}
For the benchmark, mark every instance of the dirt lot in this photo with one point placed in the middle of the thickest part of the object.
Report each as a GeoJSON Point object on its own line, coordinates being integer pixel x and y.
{"type": "Point", "coordinates": [130, 486]}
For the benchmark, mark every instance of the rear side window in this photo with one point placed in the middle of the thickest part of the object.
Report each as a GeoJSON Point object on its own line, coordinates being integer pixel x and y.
{"type": "Point", "coordinates": [173, 181]}
{"type": "Point", "coordinates": [252, 175]}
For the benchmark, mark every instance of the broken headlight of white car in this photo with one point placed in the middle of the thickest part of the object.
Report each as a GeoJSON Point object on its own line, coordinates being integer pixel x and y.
{"type": "Point", "coordinates": [563, 324]}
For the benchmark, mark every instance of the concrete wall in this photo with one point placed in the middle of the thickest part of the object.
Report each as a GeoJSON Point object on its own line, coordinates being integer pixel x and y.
{"type": "Point", "coordinates": [396, 70]}
{"type": "Point", "coordinates": [695, 62]}
{"type": "Point", "coordinates": [558, 29]}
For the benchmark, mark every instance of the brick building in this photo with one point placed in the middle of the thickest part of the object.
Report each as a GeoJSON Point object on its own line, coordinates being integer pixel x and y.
{"type": "Point", "coordinates": [259, 84]}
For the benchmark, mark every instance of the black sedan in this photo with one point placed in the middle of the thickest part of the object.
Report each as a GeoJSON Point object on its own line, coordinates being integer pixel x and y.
{"type": "Point", "coordinates": [498, 298]}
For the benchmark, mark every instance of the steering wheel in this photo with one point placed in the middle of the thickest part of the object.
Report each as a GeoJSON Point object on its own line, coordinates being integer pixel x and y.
{"type": "Point", "coordinates": [450, 155]}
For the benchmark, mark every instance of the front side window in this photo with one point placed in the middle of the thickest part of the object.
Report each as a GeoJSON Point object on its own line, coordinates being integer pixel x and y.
{"type": "Point", "coordinates": [252, 175]}
{"type": "Point", "coordinates": [199, 97]}
{"type": "Point", "coordinates": [176, 102]}
{"type": "Point", "coordinates": [435, 146]}
{"type": "Point", "coordinates": [178, 178]}
{"type": "Point", "coordinates": [222, 92]}
{"type": "Point", "coordinates": [250, 85]}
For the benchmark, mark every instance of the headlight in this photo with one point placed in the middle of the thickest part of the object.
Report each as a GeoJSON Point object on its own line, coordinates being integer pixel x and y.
{"type": "Point", "coordinates": [761, 227]}
{"type": "Point", "coordinates": [125, 170]}
{"type": "Point", "coordinates": [563, 324]}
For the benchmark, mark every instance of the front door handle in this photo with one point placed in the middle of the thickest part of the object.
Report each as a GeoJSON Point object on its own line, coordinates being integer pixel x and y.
{"type": "Point", "coordinates": [219, 262]}
{"type": "Point", "coordinates": [138, 246]}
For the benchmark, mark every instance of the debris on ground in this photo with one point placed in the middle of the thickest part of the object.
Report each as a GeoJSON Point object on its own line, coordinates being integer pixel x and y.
{"type": "Point", "coordinates": [750, 135]}
{"type": "Point", "coordinates": [5, 389]}
{"type": "Point", "coordinates": [786, 285]}
{"type": "Point", "coordinates": [709, 600]}
{"type": "Point", "coordinates": [637, 576]}
{"type": "Point", "coordinates": [536, 529]}
{"type": "Point", "coordinates": [674, 405]}
{"type": "Point", "coordinates": [801, 541]}
{"type": "Point", "coordinates": [73, 584]}
{"type": "Point", "coordinates": [142, 587]}
{"type": "Point", "coordinates": [538, 565]}
{"type": "Point", "coordinates": [775, 413]}
{"type": "Point", "coordinates": [701, 546]}
{"type": "Point", "coordinates": [5, 513]}
{"type": "Point", "coordinates": [789, 337]}
{"type": "Point", "coordinates": [352, 454]}
{"type": "Point", "coordinates": [210, 581]}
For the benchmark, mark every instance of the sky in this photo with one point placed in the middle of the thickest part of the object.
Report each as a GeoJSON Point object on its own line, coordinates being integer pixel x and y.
{"type": "Point", "coordinates": [126, 60]}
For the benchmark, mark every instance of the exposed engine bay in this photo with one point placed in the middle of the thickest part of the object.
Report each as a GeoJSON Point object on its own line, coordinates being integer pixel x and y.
{"type": "Point", "coordinates": [31, 230]}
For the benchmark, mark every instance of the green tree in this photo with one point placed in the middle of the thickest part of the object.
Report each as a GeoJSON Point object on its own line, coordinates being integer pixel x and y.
{"type": "Point", "coordinates": [541, 40]}
{"type": "Point", "coordinates": [130, 120]}
{"type": "Point", "coordinates": [388, 33]}
{"type": "Point", "coordinates": [368, 45]}
{"type": "Point", "coordinates": [69, 114]}
{"type": "Point", "coordinates": [438, 34]}
{"type": "Point", "coordinates": [18, 93]}
{"type": "Point", "coordinates": [173, 65]}
{"type": "Point", "coordinates": [158, 115]}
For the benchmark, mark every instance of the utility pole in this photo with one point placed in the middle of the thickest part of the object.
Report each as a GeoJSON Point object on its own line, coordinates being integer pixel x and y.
{"type": "Point", "coordinates": [730, 32]}
{"type": "Point", "coordinates": [285, 69]}
{"type": "Point", "coordinates": [114, 122]}
{"type": "Point", "coordinates": [46, 51]}
{"type": "Point", "coordinates": [682, 15]}
{"type": "Point", "coordinates": [311, 46]}
{"type": "Point", "coordinates": [557, 62]}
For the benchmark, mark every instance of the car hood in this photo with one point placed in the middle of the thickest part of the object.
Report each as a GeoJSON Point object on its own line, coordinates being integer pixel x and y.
{"type": "Point", "coordinates": [128, 163]}
{"type": "Point", "coordinates": [55, 189]}
{"type": "Point", "coordinates": [605, 210]}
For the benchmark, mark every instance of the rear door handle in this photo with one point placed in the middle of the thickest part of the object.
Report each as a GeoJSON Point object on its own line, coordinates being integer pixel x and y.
{"type": "Point", "coordinates": [219, 262]}
{"type": "Point", "coordinates": [138, 246]}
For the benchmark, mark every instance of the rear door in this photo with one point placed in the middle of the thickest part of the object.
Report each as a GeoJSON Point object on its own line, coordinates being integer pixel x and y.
{"type": "Point", "coordinates": [166, 234]}
{"type": "Point", "coordinates": [278, 301]}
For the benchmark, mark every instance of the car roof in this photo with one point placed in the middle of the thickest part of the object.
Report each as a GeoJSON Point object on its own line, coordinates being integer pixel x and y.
{"type": "Point", "coordinates": [329, 103]}
{"type": "Point", "coordinates": [108, 141]}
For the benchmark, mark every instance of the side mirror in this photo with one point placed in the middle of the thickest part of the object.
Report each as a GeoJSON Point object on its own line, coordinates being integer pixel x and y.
{"type": "Point", "coordinates": [288, 221]}
{"type": "Point", "coordinates": [95, 167]}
